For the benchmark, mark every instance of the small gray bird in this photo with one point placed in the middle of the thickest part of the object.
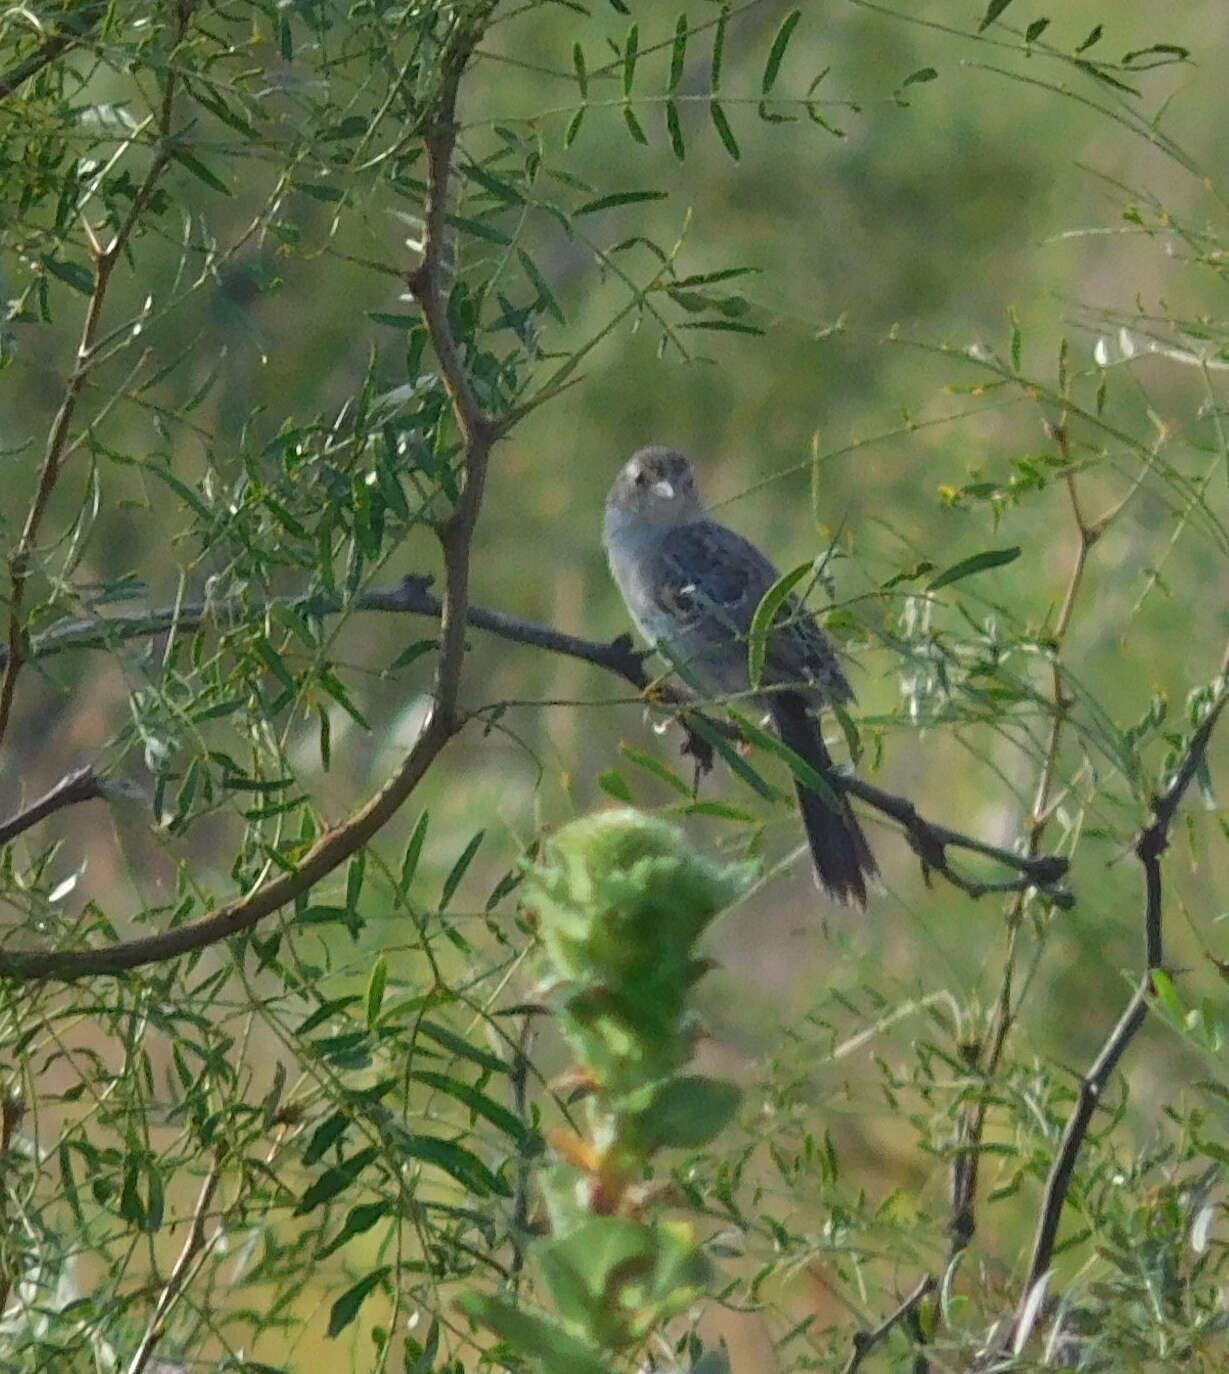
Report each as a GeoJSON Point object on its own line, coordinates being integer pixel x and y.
{"type": "Point", "coordinates": [692, 587]}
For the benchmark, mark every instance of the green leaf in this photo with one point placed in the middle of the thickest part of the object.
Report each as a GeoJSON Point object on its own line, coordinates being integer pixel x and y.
{"type": "Point", "coordinates": [358, 1221]}
{"type": "Point", "coordinates": [618, 198]}
{"type": "Point", "coordinates": [615, 785]}
{"type": "Point", "coordinates": [479, 229]}
{"type": "Point", "coordinates": [453, 880]}
{"type": "Point", "coordinates": [198, 169]}
{"type": "Point", "coordinates": [477, 1102]}
{"type": "Point", "coordinates": [1094, 36]}
{"type": "Point", "coordinates": [633, 125]}
{"type": "Point", "coordinates": [991, 558]}
{"type": "Point", "coordinates": [777, 52]}
{"type": "Point", "coordinates": [552, 1349]}
{"type": "Point", "coordinates": [657, 768]}
{"type": "Point", "coordinates": [574, 126]}
{"type": "Point", "coordinates": [719, 48]}
{"type": "Point", "coordinates": [460, 1046]}
{"type": "Point", "coordinates": [578, 65]}
{"type": "Point", "coordinates": [765, 618]}
{"type": "Point", "coordinates": [923, 74]}
{"type": "Point", "coordinates": [345, 1309]}
{"type": "Point", "coordinates": [456, 1161]}
{"type": "Point", "coordinates": [1035, 30]}
{"type": "Point", "coordinates": [993, 10]}
{"type": "Point", "coordinates": [723, 129]}
{"type": "Point", "coordinates": [71, 274]}
{"type": "Point", "coordinates": [375, 990]}
{"type": "Point", "coordinates": [335, 1180]}
{"type": "Point", "coordinates": [798, 766]}
{"type": "Point", "coordinates": [674, 128]}
{"type": "Point", "coordinates": [546, 297]}
{"type": "Point", "coordinates": [678, 52]}
{"type": "Point", "coordinates": [503, 190]}
{"type": "Point", "coordinates": [686, 1113]}
{"type": "Point", "coordinates": [734, 760]}
{"type": "Point", "coordinates": [630, 52]}
{"type": "Point", "coordinates": [409, 864]}
{"type": "Point", "coordinates": [319, 191]}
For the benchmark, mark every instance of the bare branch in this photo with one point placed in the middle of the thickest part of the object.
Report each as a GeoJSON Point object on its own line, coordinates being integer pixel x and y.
{"type": "Point", "coordinates": [81, 785]}
{"type": "Point", "coordinates": [865, 1341]}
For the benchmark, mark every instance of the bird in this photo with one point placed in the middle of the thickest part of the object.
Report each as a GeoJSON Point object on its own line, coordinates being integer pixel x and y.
{"type": "Point", "coordinates": [692, 587]}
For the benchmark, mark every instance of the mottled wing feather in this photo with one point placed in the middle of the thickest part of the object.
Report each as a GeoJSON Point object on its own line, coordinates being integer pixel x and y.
{"type": "Point", "coordinates": [711, 580]}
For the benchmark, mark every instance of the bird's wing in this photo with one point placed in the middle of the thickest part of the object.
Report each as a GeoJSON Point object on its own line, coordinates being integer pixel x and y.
{"type": "Point", "coordinates": [709, 581]}
{"type": "Point", "coordinates": [706, 572]}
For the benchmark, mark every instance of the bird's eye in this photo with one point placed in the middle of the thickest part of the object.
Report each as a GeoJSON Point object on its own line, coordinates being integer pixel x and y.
{"type": "Point", "coordinates": [642, 478]}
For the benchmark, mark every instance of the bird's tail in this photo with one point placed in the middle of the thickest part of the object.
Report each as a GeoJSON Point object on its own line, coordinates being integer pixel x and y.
{"type": "Point", "coordinates": [842, 858]}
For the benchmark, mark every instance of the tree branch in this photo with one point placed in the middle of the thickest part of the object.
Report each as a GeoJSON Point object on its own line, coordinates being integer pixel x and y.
{"type": "Point", "coordinates": [195, 1243]}
{"type": "Point", "coordinates": [81, 785]}
{"type": "Point", "coordinates": [444, 720]}
{"type": "Point", "coordinates": [1149, 847]}
{"type": "Point", "coordinates": [865, 1341]}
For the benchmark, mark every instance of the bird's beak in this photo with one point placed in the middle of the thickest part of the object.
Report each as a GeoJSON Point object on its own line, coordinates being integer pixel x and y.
{"type": "Point", "coordinates": [663, 489]}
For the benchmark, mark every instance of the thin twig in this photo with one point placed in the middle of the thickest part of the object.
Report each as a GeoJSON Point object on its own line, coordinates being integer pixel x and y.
{"type": "Point", "coordinates": [865, 1341]}
{"type": "Point", "coordinates": [81, 785]}
{"type": "Point", "coordinates": [195, 1245]}
{"type": "Point", "coordinates": [971, 1123]}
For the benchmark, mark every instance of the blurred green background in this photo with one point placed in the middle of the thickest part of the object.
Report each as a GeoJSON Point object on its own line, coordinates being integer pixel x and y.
{"type": "Point", "coordinates": [881, 254]}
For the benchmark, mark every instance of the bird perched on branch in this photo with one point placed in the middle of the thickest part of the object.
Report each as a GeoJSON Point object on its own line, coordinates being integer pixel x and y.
{"type": "Point", "coordinates": [693, 587]}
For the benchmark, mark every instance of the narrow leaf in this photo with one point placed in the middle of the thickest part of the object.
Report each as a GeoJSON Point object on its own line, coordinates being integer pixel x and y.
{"type": "Point", "coordinates": [678, 53]}
{"type": "Point", "coordinates": [409, 864]}
{"type": "Point", "coordinates": [198, 169]}
{"type": "Point", "coordinates": [631, 49]}
{"type": "Point", "coordinates": [979, 562]}
{"type": "Point", "coordinates": [618, 198]}
{"type": "Point", "coordinates": [657, 768]}
{"type": "Point", "coordinates": [633, 125]}
{"type": "Point", "coordinates": [375, 990]}
{"type": "Point", "coordinates": [345, 1309]}
{"type": "Point", "coordinates": [1035, 30]}
{"type": "Point", "coordinates": [719, 48]}
{"type": "Point", "coordinates": [765, 618]}
{"type": "Point", "coordinates": [993, 10]}
{"type": "Point", "coordinates": [578, 65]}
{"type": "Point", "coordinates": [574, 126]}
{"type": "Point", "coordinates": [724, 130]}
{"type": "Point", "coordinates": [773, 66]}
{"type": "Point", "coordinates": [453, 880]}
{"type": "Point", "coordinates": [675, 129]}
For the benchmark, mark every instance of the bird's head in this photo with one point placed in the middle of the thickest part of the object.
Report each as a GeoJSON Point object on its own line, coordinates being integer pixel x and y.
{"type": "Point", "coordinates": [656, 486]}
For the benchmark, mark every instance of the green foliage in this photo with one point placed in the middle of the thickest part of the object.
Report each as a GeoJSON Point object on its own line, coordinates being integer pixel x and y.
{"type": "Point", "coordinates": [950, 285]}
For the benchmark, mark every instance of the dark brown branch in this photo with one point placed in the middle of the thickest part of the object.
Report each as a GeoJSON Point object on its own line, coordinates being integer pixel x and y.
{"type": "Point", "coordinates": [412, 595]}
{"type": "Point", "coordinates": [865, 1341]}
{"type": "Point", "coordinates": [1150, 846]}
{"type": "Point", "coordinates": [81, 785]}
